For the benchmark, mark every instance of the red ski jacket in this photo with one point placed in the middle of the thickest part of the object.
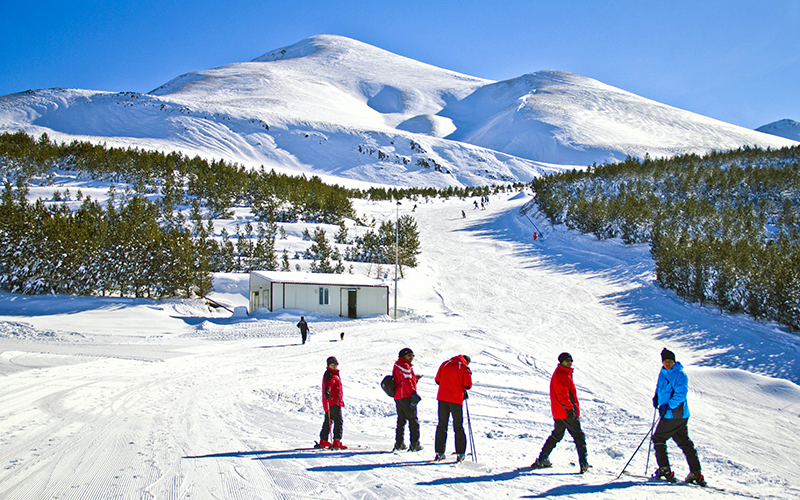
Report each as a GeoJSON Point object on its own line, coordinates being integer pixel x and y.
{"type": "Point", "coordinates": [405, 381]}
{"type": "Point", "coordinates": [454, 377]}
{"type": "Point", "coordinates": [563, 395]}
{"type": "Point", "coordinates": [331, 389]}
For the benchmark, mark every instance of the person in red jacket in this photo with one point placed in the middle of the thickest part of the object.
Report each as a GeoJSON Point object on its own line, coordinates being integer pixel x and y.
{"type": "Point", "coordinates": [566, 413]}
{"type": "Point", "coordinates": [406, 399]}
{"type": "Point", "coordinates": [332, 403]}
{"type": "Point", "coordinates": [454, 378]}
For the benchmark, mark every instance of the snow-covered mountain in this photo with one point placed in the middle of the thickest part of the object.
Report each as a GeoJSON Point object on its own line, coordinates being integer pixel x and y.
{"type": "Point", "coordinates": [333, 105]}
{"type": "Point", "coordinates": [789, 129]}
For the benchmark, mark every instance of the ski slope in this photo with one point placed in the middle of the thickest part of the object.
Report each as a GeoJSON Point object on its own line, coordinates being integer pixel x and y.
{"type": "Point", "coordinates": [134, 398]}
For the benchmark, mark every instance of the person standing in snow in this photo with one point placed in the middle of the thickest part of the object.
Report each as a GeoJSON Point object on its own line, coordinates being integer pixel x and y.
{"type": "Point", "coordinates": [332, 403]}
{"type": "Point", "coordinates": [670, 399]}
{"type": "Point", "coordinates": [303, 326]}
{"type": "Point", "coordinates": [454, 379]}
{"type": "Point", "coordinates": [406, 399]}
{"type": "Point", "coordinates": [566, 413]}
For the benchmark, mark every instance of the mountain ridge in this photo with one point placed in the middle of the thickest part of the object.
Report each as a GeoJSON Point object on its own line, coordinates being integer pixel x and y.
{"type": "Point", "coordinates": [336, 106]}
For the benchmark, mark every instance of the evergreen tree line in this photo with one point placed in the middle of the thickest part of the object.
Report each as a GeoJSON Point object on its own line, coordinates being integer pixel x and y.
{"type": "Point", "coordinates": [383, 194]}
{"type": "Point", "coordinates": [135, 247]}
{"type": "Point", "coordinates": [398, 240]}
{"type": "Point", "coordinates": [125, 249]}
{"type": "Point", "coordinates": [216, 185]}
{"type": "Point", "coordinates": [723, 228]}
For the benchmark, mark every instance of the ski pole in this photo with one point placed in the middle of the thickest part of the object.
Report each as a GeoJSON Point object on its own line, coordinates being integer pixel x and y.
{"type": "Point", "coordinates": [650, 443]}
{"type": "Point", "coordinates": [637, 450]}
{"type": "Point", "coordinates": [471, 438]}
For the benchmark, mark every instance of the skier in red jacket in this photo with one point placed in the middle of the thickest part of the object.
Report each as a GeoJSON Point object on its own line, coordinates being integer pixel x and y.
{"type": "Point", "coordinates": [332, 403]}
{"type": "Point", "coordinates": [454, 378]}
{"type": "Point", "coordinates": [566, 413]}
{"type": "Point", "coordinates": [406, 399]}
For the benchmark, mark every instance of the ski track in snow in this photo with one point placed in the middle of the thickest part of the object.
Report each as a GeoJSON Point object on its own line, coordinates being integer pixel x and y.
{"type": "Point", "coordinates": [205, 406]}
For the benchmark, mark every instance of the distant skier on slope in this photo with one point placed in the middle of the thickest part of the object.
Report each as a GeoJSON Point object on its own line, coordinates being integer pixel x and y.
{"type": "Point", "coordinates": [566, 413]}
{"type": "Point", "coordinates": [406, 399]}
{"type": "Point", "coordinates": [670, 399]}
{"type": "Point", "coordinates": [332, 403]}
{"type": "Point", "coordinates": [454, 379]}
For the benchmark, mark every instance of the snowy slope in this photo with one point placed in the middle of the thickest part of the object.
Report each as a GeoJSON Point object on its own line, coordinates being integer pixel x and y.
{"type": "Point", "coordinates": [333, 105]}
{"type": "Point", "coordinates": [144, 399]}
{"type": "Point", "coordinates": [789, 129]}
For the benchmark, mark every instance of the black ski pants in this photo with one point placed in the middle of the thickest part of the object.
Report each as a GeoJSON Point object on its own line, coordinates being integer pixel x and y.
{"type": "Point", "coordinates": [456, 410]}
{"type": "Point", "coordinates": [677, 429]}
{"type": "Point", "coordinates": [573, 425]}
{"type": "Point", "coordinates": [333, 417]}
{"type": "Point", "coordinates": [406, 412]}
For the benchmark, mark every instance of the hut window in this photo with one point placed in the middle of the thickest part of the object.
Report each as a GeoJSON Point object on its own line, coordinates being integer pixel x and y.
{"type": "Point", "coordinates": [324, 294]}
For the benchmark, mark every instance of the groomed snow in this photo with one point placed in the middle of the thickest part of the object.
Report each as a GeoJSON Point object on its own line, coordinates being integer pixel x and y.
{"type": "Point", "coordinates": [123, 398]}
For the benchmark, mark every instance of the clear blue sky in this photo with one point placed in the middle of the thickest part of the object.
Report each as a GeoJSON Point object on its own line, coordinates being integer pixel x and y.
{"type": "Point", "coordinates": [738, 61]}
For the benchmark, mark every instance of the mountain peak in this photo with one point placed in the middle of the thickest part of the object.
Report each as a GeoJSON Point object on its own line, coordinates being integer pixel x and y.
{"type": "Point", "coordinates": [317, 44]}
{"type": "Point", "coordinates": [786, 128]}
{"type": "Point", "coordinates": [334, 105]}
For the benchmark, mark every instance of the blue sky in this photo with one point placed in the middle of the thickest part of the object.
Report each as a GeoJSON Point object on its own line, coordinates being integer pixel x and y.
{"type": "Point", "coordinates": [737, 61]}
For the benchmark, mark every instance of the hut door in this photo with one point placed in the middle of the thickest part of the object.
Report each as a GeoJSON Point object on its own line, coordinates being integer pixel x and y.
{"type": "Point", "coordinates": [352, 310]}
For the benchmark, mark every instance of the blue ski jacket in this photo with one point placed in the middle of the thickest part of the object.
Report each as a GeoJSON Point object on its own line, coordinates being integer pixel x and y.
{"type": "Point", "coordinates": [671, 391]}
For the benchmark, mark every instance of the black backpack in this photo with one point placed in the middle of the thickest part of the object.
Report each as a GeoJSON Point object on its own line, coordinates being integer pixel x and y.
{"type": "Point", "coordinates": [387, 384]}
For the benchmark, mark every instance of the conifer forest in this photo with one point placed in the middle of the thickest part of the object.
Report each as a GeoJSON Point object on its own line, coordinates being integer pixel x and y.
{"type": "Point", "coordinates": [723, 229]}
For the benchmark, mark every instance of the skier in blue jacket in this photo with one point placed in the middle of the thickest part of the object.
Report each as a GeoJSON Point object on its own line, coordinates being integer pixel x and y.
{"type": "Point", "coordinates": [670, 399]}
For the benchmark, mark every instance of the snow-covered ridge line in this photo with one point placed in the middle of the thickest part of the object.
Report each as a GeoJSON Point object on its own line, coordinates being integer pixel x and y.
{"type": "Point", "coordinates": [309, 106]}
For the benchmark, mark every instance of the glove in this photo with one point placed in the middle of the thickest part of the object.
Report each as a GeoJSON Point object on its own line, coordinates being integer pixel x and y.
{"type": "Point", "coordinates": [415, 399]}
{"type": "Point", "coordinates": [662, 410]}
{"type": "Point", "coordinates": [655, 401]}
{"type": "Point", "coordinates": [466, 395]}
{"type": "Point", "coordinates": [571, 413]}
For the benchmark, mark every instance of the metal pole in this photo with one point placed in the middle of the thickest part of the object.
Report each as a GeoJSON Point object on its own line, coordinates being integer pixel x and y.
{"type": "Point", "coordinates": [396, 255]}
{"type": "Point", "coordinates": [649, 443]}
{"type": "Point", "coordinates": [637, 449]}
{"type": "Point", "coordinates": [471, 438]}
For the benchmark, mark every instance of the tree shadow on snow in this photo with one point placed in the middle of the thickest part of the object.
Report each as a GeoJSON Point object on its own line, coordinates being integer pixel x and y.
{"type": "Point", "coordinates": [726, 340]}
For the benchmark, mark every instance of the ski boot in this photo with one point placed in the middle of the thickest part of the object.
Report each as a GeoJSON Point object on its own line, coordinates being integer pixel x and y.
{"type": "Point", "coordinates": [696, 478]}
{"type": "Point", "coordinates": [665, 473]}
{"type": "Point", "coordinates": [439, 457]}
{"type": "Point", "coordinates": [584, 466]}
{"type": "Point", "coordinates": [541, 463]}
{"type": "Point", "coordinates": [415, 447]}
{"type": "Point", "coordinates": [461, 457]}
{"type": "Point", "coordinates": [323, 444]}
{"type": "Point", "coordinates": [337, 445]}
{"type": "Point", "coordinates": [399, 446]}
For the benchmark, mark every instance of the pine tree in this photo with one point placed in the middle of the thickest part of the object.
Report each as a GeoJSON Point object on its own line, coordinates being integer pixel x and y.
{"type": "Point", "coordinates": [321, 253]}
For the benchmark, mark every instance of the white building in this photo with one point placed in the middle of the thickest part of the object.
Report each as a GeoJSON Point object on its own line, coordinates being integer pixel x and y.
{"type": "Point", "coordinates": [342, 294]}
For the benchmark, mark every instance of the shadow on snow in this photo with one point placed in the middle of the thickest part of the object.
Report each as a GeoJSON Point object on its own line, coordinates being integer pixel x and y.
{"type": "Point", "coordinates": [727, 341]}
